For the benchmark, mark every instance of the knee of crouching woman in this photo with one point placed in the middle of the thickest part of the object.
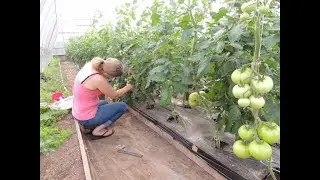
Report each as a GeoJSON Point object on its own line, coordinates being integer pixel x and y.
{"type": "Point", "coordinates": [124, 106]}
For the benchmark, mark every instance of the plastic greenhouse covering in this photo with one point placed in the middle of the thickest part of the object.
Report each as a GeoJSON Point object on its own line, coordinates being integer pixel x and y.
{"type": "Point", "coordinates": [48, 31]}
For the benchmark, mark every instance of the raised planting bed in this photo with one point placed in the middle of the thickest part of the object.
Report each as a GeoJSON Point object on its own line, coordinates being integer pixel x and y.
{"type": "Point", "coordinates": [194, 132]}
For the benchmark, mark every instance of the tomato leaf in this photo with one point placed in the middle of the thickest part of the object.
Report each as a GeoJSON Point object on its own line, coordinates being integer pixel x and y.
{"type": "Point", "coordinates": [218, 35]}
{"type": "Point", "coordinates": [205, 44]}
{"type": "Point", "coordinates": [155, 18]}
{"type": "Point", "coordinates": [235, 33]}
{"type": "Point", "coordinates": [270, 41]}
{"type": "Point", "coordinates": [180, 88]}
{"type": "Point", "coordinates": [158, 77]}
{"type": "Point", "coordinates": [166, 93]}
{"type": "Point", "coordinates": [236, 45]}
{"type": "Point", "coordinates": [216, 16]}
{"type": "Point", "coordinates": [186, 34]}
{"type": "Point", "coordinates": [158, 69]}
{"type": "Point", "coordinates": [227, 67]}
{"type": "Point", "coordinates": [204, 66]}
{"type": "Point", "coordinates": [187, 80]}
{"type": "Point", "coordinates": [234, 113]}
{"type": "Point", "coordinates": [197, 57]}
{"type": "Point", "coordinates": [233, 117]}
{"type": "Point", "coordinates": [185, 21]}
{"type": "Point", "coordinates": [220, 47]}
{"type": "Point", "coordinates": [271, 111]}
{"type": "Point", "coordinates": [161, 61]}
{"type": "Point", "coordinates": [236, 125]}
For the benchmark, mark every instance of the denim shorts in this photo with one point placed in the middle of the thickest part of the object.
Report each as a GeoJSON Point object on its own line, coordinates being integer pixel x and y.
{"type": "Point", "coordinates": [107, 114]}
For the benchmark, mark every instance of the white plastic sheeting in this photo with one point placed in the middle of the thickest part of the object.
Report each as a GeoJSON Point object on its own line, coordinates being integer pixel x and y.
{"type": "Point", "coordinates": [59, 48]}
{"type": "Point", "coordinates": [48, 31]}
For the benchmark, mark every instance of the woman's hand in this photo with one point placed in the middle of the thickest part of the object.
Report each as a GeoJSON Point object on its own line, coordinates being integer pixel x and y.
{"type": "Point", "coordinates": [129, 87]}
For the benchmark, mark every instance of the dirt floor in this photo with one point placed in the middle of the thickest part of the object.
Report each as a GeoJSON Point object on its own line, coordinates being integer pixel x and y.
{"type": "Point", "coordinates": [160, 159]}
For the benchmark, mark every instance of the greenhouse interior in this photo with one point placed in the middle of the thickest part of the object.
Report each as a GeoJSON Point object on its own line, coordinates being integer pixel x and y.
{"type": "Point", "coordinates": [160, 89]}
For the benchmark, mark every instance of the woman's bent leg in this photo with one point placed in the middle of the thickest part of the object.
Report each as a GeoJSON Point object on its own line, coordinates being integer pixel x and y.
{"type": "Point", "coordinates": [107, 114]}
{"type": "Point", "coordinates": [110, 113]}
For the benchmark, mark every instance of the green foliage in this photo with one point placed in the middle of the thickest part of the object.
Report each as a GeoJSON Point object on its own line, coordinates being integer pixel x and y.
{"type": "Point", "coordinates": [50, 81]}
{"type": "Point", "coordinates": [51, 137]}
{"type": "Point", "coordinates": [49, 117]}
{"type": "Point", "coordinates": [173, 46]}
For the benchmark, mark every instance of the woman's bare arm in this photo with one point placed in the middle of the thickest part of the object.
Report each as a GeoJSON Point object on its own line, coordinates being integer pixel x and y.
{"type": "Point", "coordinates": [108, 90]}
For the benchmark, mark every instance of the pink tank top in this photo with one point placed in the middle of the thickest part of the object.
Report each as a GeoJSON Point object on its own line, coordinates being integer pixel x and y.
{"type": "Point", "coordinates": [85, 101]}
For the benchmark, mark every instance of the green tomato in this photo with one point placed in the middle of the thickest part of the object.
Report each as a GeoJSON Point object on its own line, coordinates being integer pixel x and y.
{"type": "Point", "coordinates": [235, 76]}
{"type": "Point", "coordinates": [262, 86]}
{"type": "Point", "coordinates": [241, 150]}
{"type": "Point", "coordinates": [269, 132]}
{"type": "Point", "coordinates": [194, 99]}
{"type": "Point", "coordinates": [243, 7]}
{"type": "Point", "coordinates": [116, 86]}
{"type": "Point", "coordinates": [241, 92]}
{"type": "Point", "coordinates": [243, 102]}
{"type": "Point", "coordinates": [245, 77]}
{"type": "Point", "coordinates": [246, 132]}
{"type": "Point", "coordinates": [203, 94]}
{"type": "Point", "coordinates": [249, 7]}
{"type": "Point", "coordinates": [257, 102]}
{"type": "Point", "coordinates": [244, 17]}
{"type": "Point", "coordinates": [263, 9]}
{"type": "Point", "coordinates": [260, 150]}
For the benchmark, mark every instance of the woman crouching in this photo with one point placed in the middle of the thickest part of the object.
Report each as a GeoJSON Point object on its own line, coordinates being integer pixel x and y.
{"type": "Point", "coordinates": [91, 82]}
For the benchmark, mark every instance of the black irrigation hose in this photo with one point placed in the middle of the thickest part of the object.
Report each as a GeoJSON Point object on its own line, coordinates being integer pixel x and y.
{"type": "Point", "coordinates": [213, 163]}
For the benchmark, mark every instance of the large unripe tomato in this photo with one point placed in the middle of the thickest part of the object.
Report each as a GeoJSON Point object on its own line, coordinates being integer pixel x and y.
{"type": "Point", "coordinates": [194, 99]}
{"type": "Point", "coordinates": [269, 132]}
{"type": "Point", "coordinates": [263, 9]}
{"type": "Point", "coordinates": [203, 94]}
{"type": "Point", "coordinates": [257, 102]}
{"type": "Point", "coordinates": [246, 76]}
{"type": "Point", "coordinates": [243, 102]}
{"type": "Point", "coordinates": [244, 17]}
{"type": "Point", "coordinates": [249, 7]}
{"type": "Point", "coordinates": [260, 150]}
{"type": "Point", "coordinates": [240, 149]}
{"type": "Point", "coordinates": [263, 85]}
{"type": "Point", "coordinates": [235, 76]}
{"type": "Point", "coordinates": [241, 92]}
{"type": "Point", "coordinates": [246, 132]}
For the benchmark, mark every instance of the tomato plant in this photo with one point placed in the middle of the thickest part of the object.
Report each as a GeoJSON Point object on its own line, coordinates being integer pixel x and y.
{"type": "Point", "coordinates": [259, 84]}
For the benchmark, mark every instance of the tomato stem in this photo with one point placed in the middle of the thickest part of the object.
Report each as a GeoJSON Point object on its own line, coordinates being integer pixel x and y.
{"type": "Point", "coordinates": [247, 64]}
{"type": "Point", "coordinates": [258, 39]}
{"type": "Point", "coordinates": [216, 136]}
{"type": "Point", "coordinates": [194, 39]}
{"type": "Point", "coordinates": [270, 169]}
